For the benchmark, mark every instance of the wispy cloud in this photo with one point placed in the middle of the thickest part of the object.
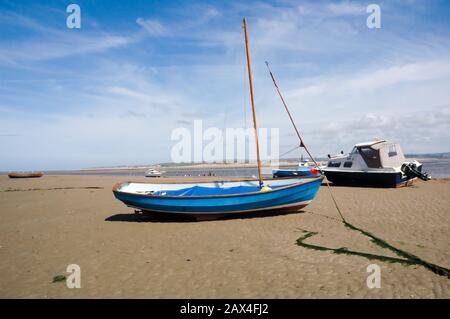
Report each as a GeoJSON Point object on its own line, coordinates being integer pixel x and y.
{"type": "Point", "coordinates": [183, 29]}
{"type": "Point", "coordinates": [130, 113]}
{"type": "Point", "coordinates": [376, 79]}
{"type": "Point", "coordinates": [64, 46]}
{"type": "Point", "coordinates": [418, 130]}
{"type": "Point", "coordinates": [52, 43]}
{"type": "Point", "coordinates": [152, 26]}
{"type": "Point", "coordinates": [344, 8]}
{"type": "Point", "coordinates": [159, 101]}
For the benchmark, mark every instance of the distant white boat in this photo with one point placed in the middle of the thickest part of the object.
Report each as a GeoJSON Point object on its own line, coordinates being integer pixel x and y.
{"type": "Point", "coordinates": [153, 173]}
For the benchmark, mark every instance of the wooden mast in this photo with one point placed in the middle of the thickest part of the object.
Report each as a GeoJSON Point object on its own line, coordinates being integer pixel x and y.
{"type": "Point", "coordinates": [253, 102]}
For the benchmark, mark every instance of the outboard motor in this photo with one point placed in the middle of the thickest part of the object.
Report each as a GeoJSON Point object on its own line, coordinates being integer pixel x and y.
{"type": "Point", "coordinates": [411, 170]}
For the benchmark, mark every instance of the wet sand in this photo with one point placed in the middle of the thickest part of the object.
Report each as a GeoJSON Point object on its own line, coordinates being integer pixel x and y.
{"type": "Point", "coordinates": [53, 221]}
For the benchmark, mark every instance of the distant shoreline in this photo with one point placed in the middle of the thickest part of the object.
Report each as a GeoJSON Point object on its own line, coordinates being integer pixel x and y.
{"type": "Point", "coordinates": [424, 158]}
{"type": "Point", "coordinates": [283, 163]}
{"type": "Point", "coordinates": [190, 166]}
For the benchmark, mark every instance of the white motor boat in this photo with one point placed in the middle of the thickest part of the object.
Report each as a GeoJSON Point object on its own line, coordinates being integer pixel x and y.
{"type": "Point", "coordinates": [153, 173]}
{"type": "Point", "coordinates": [375, 163]}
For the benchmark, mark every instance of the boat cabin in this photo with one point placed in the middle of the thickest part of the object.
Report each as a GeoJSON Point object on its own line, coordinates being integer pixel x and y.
{"type": "Point", "coordinates": [375, 154]}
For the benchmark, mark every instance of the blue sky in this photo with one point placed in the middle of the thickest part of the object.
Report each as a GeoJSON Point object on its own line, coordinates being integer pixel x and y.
{"type": "Point", "coordinates": [111, 92]}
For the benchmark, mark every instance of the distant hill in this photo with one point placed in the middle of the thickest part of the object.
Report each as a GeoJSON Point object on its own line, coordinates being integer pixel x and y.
{"type": "Point", "coordinates": [429, 155]}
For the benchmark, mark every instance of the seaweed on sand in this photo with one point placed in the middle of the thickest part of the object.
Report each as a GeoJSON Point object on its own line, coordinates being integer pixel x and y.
{"type": "Point", "coordinates": [407, 258]}
{"type": "Point", "coordinates": [59, 278]}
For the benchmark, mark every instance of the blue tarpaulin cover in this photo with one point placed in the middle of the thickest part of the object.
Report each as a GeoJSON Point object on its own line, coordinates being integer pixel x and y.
{"type": "Point", "coordinates": [207, 191]}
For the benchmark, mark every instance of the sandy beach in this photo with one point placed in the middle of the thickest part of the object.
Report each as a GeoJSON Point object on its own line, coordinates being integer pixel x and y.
{"type": "Point", "coordinates": [51, 222]}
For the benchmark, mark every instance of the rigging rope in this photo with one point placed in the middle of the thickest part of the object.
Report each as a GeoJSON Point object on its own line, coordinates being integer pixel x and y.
{"type": "Point", "coordinates": [246, 89]}
{"type": "Point", "coordinates": [289, 151]}
{"type": "Point", "coordinates": [302, 143]}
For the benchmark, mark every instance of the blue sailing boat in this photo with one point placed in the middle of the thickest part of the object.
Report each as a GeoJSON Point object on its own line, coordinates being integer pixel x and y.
{"type": "Point", "coordinates": [303, 169]}
{"type": "Point", "coordinates": [222, 198]}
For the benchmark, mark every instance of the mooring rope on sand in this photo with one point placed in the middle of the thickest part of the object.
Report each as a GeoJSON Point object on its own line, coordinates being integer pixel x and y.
{"type": "Point", "coordinates": [409, 258]}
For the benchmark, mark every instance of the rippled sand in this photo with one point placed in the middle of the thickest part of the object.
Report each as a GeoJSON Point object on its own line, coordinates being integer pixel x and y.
{"type": "Point", "coordinates": [44, 227]}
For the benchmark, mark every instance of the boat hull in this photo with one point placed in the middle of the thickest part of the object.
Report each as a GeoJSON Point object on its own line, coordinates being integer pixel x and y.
{"type": "Point", "coordinates": [292, 197]}
{"type": "Point", "coordinates": [25, 175]}
{"type": "Point", "coordinates": [370, 179]}
{"type": "Point", "coordinates": [293, 173]}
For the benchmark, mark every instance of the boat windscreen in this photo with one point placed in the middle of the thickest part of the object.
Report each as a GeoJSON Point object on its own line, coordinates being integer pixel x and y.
{"type": "Point", "coordinates": [370, 156]}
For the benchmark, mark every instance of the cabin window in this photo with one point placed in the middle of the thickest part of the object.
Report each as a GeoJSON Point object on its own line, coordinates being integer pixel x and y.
{"type": "Point", "coordinates": [348, 164]}
{"type": "Point", "coordinates": [370, 156]}
{"type": "Point", "coordinates": [334, 164]}
{"type": "Point", "coordinates": [392, 151]}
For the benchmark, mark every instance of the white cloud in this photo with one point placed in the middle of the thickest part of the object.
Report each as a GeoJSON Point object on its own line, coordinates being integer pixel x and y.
{"type": "Point", "coordinates": [157, 101]}
{"type": "Point", "coordinates": [50, 43]}
{"type": "Point", "coordinates": [60, 47]}
{"type": "Point", "coordinates": [417, 131]}
{"type": "Point", "coordinates": [413, 72]}
{"type": "Point", "coordinates": [183, 29]}
{"type": "Point", "coordinates": [152, 26]}
{"type": "Point", "coordinates": [373, 79]}
{"type": "Point", "coordinates": [345, 8]}
{"type": "Point", "coordinates": [329, 10]}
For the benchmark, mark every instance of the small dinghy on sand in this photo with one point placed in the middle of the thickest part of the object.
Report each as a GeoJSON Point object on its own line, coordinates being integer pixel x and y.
{"type": "Point", "coordinates": [25, 174]}
{"type": "Point", "coordinates": [213, 200]}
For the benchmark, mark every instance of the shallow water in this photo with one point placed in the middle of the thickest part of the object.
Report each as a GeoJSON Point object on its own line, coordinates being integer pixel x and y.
{"type": "Point", "coordinates": [436, 168]}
